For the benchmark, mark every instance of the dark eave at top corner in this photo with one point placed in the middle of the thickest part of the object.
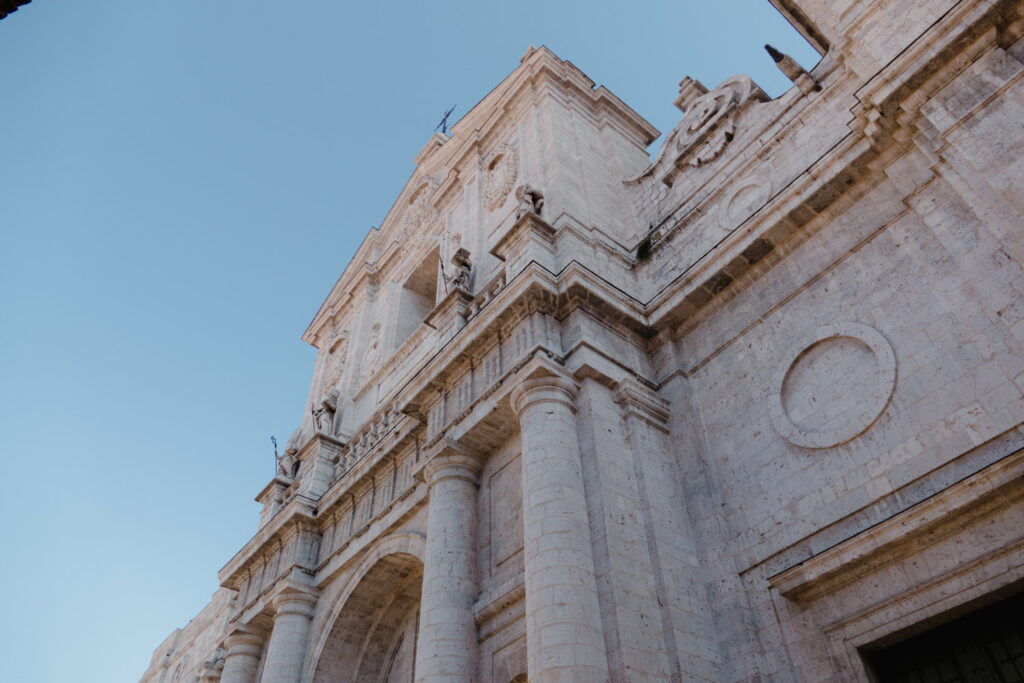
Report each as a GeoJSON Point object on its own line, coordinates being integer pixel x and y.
{"type": "Point", "coordinates": [8, 6]}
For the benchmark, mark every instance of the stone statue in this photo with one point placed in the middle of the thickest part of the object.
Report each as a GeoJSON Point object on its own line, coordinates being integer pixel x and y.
{"type": "Point", "coordinates": [286, 463]}
{"type": "Point", "coordinates": [325, 416]}
{"type": "Point", "coordinates": [531, 200]}
{"type": "Point", "coordinates": [462, 277]}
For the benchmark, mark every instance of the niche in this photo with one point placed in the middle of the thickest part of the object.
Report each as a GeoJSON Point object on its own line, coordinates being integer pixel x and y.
{"type": "Point", "coordinates": [417, 297]}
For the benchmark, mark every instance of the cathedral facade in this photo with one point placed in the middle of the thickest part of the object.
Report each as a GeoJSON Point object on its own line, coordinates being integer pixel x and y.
{"type": "Point", "coordinates": [751, 411]}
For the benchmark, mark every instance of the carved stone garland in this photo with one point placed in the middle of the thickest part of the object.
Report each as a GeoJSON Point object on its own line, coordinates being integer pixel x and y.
{"type": "Point", "coordinates": [334, 366]}
{"type": "Point", "coordinates": [420, 210]}
{"type": "Point", "coordinates": [501, 172]}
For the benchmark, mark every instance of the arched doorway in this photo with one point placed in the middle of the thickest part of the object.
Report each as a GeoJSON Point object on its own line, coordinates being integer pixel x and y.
{"type": "Point", "coordinates": [373, 639]}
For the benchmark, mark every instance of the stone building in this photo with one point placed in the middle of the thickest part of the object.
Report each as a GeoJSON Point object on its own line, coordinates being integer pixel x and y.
{"type": "Point", "coordinates": [750, 411]}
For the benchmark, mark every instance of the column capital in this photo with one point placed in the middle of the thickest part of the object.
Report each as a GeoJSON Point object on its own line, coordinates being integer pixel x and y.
{"type": "Point", "coordinates": [294, 602]}
{"type": "Point", "coordinates": [450, 459]}
{"type": "Point", "coordinates": [543, 389]}
{"type": "Point", "coordinates": [243, 640]}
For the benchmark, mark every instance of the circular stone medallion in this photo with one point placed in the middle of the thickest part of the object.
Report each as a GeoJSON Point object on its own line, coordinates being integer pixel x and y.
{"type": "Point", "coordinates": [836, 386]}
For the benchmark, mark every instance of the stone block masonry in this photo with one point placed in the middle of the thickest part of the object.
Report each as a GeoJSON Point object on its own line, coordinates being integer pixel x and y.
{"type": "Point", "coordinates": [751, 409]}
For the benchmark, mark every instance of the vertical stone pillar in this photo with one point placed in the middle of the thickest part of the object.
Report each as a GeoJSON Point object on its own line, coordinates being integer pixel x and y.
{"type": "Point", "coordinates": [446, 649]}
{"type": "Point", "coordinates": [564, 634]}
{"type": "Point", "coordinates": [242, 659]}
{"type": "Point", "coordinates": [287, 647]}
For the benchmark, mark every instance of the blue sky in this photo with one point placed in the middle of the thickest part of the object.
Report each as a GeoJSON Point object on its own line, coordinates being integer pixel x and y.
{"type": "Point", "coordinates": [180, 185]}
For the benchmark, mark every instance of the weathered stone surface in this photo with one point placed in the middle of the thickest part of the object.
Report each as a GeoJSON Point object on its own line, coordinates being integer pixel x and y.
{"type": "Point", "coordinates": [742, 412]}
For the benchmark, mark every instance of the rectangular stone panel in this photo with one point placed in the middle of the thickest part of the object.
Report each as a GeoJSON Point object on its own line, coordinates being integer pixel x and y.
{"type": "Point", "coordinates": [506, 512]}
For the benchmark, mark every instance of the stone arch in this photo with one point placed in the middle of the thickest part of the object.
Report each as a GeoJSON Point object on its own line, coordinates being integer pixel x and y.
{"type": "Point", "coordinates": [373, 622]}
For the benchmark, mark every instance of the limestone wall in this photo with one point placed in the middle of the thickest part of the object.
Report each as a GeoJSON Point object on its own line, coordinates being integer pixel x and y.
{"type": "Point", "coordinates": [744, 411]}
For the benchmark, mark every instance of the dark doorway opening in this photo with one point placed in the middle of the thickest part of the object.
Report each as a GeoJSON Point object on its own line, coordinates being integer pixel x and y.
{"type": "Point", "coordinates": [986, 646]}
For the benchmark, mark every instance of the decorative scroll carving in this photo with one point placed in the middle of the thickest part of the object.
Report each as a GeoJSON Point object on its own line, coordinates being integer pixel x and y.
{"type": "Point", "coordinates": [707, 127]}
{"type": "Point", "coordinates": [501, 174]}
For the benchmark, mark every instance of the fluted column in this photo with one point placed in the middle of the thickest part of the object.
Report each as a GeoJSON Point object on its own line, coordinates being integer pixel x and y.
{"type": "Point", "coordinates": [564, 635]}
{"type": "Point", "coordinates": [446, 649]}
{"type": "Point", "coordinates": [242, 659]}
{"type": "Point", "coordinates": [287, 648]}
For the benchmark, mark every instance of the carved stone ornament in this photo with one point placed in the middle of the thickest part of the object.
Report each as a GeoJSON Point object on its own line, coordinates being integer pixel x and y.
{"type": "Point", "coordinates": [707, 128]}
{"type": "Point", "coordinates": [500, 174]}
{"type": "Point", "coordinates": [833, 386]}
{"type": "Point", "coordinates": [419, 210]}
{"type": "Point", "coordinates": [462, 275]}
{"type": "Point", "coordinates": [334, 365]}
{"type": "Point", "coordinates": [531, 200]}
{"type": "Point", "coordinates": [372, 355]}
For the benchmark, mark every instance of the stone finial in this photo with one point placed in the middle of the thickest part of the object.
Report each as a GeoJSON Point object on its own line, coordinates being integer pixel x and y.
{"type": "Point", "coordinates": [793, 71]}
{"type": "Point", "coordinates": [689, 90]}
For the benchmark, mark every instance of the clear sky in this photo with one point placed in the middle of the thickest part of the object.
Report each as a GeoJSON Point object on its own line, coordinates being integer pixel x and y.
{"type": "Point", "coordinates": [180, 185]}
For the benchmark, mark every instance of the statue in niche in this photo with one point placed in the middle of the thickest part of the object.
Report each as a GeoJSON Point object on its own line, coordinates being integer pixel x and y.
{"type": "Point", "coordinates": [531, 200]}
{"type": "Point", "coordinates": [324, 416]}
{"type": "Point", "coordinates": [462, 276]}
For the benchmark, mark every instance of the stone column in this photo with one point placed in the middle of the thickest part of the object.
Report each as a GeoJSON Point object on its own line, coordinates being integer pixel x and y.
{"type": "Point", "coordinates": [242, 659]}
{"type": "Point", "coordinates": [564, 634]}
{"type": "Point", "coordinates": [446, 649]}
{"type": "Point", "coordinates": [287, 647]}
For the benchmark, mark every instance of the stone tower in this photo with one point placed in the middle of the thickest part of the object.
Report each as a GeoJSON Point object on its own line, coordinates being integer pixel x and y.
{"type": "Point", "coordinates": [749, 411]}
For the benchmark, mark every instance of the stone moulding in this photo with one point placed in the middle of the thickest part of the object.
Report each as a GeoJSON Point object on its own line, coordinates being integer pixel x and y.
{"type": "Point", "coordinates": [858, 418]}
{"type": "Point", "coordinates": [923, 523]}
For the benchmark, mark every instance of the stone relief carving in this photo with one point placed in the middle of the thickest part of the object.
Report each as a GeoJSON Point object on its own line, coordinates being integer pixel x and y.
{"type": "Point", "coordinates": [462, 275]}
{"type": "Point", "coordinates": [419, 211]}
{"type": "Point", "coordinates": [747, 199]}
{"type": "Point", "coordinates": [706, 129]}
{"type": "Point", "coordinates": [334, 365]}
{"type": "Point", "coordinates": [501, 172]}
{"type": "Point", "coordinates": [834, 386]}
{"type": "Point", "coordinates": [372, 355]}
{"type": "Point", "coordinates": [531, 200]}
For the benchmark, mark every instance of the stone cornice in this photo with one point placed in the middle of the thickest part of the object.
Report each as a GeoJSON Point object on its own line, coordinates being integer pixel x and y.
{"type": "Point", "coordinates": [640, 402]}
{"type": "Point", "coordinates": [298, 514]}
{"type": "Point", "coordinates": [997, 485]}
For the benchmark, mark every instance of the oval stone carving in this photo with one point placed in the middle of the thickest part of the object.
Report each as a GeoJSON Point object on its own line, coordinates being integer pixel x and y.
{"type": "Point", "coordinates": [747, 199]}
{"type": "Point", "coordinates": [835, 387]}
{"type": "Point", "coordinates": [501, 174]}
